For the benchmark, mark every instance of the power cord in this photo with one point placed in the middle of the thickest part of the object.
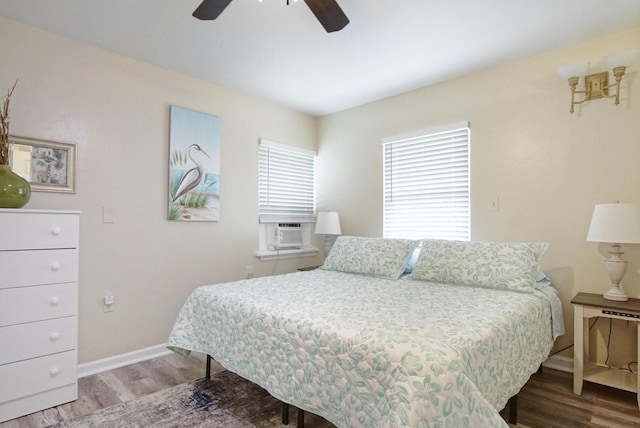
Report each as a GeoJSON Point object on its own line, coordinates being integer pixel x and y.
{"type": "Point", "coordinates": [606, 361]}
{"type": "Point", "coordinates": [571, 346]}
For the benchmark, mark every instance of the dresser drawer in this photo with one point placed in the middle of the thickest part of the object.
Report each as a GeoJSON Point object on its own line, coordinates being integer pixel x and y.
{"type": "Point", "coordinates": [23, 341]}
{"type": "Point", "coordinates": [26, 304]}
{"type": "Point", "coordinates": [37, 374]}
{"type": "Point", "coordinates": [23, 230]}
{"type": "Point", "coordinates": [23, 268]}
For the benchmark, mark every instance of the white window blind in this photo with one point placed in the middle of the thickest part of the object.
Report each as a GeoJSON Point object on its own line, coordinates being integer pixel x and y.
{"type": "Point", "coordinates": [426, 184]}
{"type": "Point", "coordinates": [286, 184]}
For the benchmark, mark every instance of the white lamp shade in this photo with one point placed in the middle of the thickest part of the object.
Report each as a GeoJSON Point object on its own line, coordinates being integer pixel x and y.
{"type": "Point", "coordinates": [615, 224]}
{"type": "Point", "coordinates": [620, 59]}
{"type": "Point", "coordinates": [328, 223]}
{"type": "Point", "coordinates": [574, 70]}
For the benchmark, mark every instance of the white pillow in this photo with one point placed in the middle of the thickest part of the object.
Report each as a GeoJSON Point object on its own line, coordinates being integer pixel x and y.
{"type": "Point", "coordinates": [384, 258]}
{"type": "Point", "coordinates": [499, 265]}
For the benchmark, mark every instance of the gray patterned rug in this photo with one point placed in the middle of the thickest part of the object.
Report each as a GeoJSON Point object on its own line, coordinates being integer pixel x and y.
{"type": "Point", "coordinates": [227, 400]}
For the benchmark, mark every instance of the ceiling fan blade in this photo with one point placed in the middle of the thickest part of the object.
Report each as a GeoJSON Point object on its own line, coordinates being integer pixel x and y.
{"type": "Point", "coordinates": [329, 14]}
{"type": "Point", "coordinates": [210, 9]}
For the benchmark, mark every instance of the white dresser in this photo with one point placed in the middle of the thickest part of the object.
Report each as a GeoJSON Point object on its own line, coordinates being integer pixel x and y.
{"type": "Point", "coordinates": [38, 310]}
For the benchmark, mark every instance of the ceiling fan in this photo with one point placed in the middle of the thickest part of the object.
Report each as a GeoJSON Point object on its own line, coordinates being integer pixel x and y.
{"type": "Point", "coordinates": [328, 12]}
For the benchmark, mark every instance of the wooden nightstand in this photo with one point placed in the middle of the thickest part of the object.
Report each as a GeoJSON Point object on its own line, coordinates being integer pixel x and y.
{"type": "Point", "coordinates": [588, 305]}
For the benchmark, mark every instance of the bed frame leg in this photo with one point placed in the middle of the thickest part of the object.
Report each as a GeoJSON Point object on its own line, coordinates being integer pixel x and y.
{"type": "Point", "coordinates": [513, 410]}
{"type": "Point", "coordinates": [285, 415]}
{"type": "Point", "coordinates": [208, 374]}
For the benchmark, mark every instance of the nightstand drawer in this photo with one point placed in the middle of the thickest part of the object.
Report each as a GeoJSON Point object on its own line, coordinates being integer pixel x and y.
{"type": "Point", "coordinates": [22, 268]}
{"type": "Point", "coordinates": [24, 341]}
{"type": "Point", "coordinates": [29, 377]}
{"type": "Point", "coordinates": [25, 231]}
{"type": "Point", "coordinates": [26, 304]}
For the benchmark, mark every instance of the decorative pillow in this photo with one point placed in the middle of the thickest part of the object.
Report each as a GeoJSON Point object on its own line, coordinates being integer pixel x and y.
{"type": "Point", "coordinates": [384, 258]}
{"type": "Point", "coordinates": [499, 265]}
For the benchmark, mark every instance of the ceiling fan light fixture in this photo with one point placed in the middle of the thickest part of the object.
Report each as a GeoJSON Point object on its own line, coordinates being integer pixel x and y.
{"type": "Point", "coordinates": [210, 9]}
{"type": "Point", "coordinates": [287, 1]}
{"type": "Point", "coordinates": [328, 12]}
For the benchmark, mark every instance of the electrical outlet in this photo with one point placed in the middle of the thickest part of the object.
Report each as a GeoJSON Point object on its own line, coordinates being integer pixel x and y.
{"type": "Point", "coordinates": [493, 204]}
{"type": "Point", "coordinates": [109, 300]}
{"type": "Point", "coordinates": [249, 271]}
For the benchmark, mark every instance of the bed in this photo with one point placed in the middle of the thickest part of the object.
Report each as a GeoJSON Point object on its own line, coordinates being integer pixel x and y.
{"type": "Point", "coordinates": [378, 337]}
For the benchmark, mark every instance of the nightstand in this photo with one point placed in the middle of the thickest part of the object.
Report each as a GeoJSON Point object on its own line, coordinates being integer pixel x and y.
{"type": "Point", "coordinates": [588, 305]}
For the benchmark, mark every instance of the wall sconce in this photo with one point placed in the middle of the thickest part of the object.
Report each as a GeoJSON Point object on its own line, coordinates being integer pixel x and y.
{"type": "Point", "coordinates": [597, 85]}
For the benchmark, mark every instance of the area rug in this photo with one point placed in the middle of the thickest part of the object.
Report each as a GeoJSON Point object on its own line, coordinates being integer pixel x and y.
{"type": "Point", "coordinates": [227, 400]}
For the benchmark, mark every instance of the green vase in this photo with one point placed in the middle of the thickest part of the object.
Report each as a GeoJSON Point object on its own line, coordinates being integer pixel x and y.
{"type": "Point", "coordinates": [15, 191]}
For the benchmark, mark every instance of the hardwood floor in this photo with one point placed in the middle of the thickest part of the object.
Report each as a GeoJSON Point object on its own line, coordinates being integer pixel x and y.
{"type": "Point", "coordinates": [546, 401]}
{"type": "Point", "coordinates": [119, 385]}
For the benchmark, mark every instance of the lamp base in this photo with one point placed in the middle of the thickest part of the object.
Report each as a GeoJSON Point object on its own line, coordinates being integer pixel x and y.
{"type": "Point", "coordinates": [327, 249]}
{"type": "Point", "coordinates": [327, 244]}
{"type": "Point", "coordinates": [616, 293]}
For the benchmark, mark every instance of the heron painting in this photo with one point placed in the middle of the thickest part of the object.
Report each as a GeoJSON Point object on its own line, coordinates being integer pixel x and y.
{"type": "Point", "coordinates": [194, 166]}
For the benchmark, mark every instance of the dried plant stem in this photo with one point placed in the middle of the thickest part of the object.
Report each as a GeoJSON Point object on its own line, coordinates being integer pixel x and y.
{"type": "Point", "coordinates": [4, 127]}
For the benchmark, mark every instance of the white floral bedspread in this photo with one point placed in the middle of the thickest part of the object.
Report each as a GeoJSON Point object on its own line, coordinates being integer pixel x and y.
{"type": "Point", "coordinates": [367, 352]}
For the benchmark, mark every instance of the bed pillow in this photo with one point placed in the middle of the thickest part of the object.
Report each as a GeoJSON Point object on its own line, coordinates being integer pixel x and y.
{"type": "Point", "coordinates": [413, 258]}
{"type": "Point", "coordinates": [499, 265]}
{"type": "Point", "coordinates": [542, 279]}
{"type": "Point", "coordinates": [384, 258]}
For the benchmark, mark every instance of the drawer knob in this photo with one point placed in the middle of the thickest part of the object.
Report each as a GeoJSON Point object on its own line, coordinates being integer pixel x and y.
{"type": "Point", "coordinates": [54, 371]}
{"type": "Point", "coordinates": [55, 301]}
{"type": "Point", "coordinates": [55, 266]}
{"type": "Point", "coordinates": [56, 231]}
{"type": "Point", "coordinates": [55, 336]}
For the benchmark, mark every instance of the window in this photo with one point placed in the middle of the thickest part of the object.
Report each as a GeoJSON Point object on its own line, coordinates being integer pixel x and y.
{"type": "Point", "coordinates": [286, 200]}
{"type": "Point", "coordinates": [426, 184]}
{"type": "Point", "coordinates": [286, 180]}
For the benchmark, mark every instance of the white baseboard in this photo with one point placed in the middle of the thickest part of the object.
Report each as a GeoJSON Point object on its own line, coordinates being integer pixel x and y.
{"type": "Point", "coordinates": [558, 362]}
{"type": "Point", "coordinates": [110, 363]}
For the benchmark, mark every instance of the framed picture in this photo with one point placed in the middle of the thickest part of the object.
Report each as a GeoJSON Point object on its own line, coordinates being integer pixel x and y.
{"type": "Point", "coordinates": [48, 166]}
{"type": "Point", "coordinates": [194, 166]}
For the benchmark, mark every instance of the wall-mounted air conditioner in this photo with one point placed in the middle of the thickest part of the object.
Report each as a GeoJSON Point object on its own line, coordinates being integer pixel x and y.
{"type": "Point", "coordinates": [289, 235]}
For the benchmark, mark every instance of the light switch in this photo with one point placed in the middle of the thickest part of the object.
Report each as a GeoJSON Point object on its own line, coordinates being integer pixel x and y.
{"type": "Point", "coordinates": [107, 215]}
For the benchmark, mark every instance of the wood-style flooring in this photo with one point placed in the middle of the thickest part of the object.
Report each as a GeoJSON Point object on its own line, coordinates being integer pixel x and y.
{"type": "Point", "coordinates": [119, 385]}
{"type": "Point", "coordinates": [546, 401]}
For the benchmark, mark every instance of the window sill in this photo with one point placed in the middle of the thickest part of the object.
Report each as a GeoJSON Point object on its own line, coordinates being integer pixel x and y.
{"type": "Point", "coordinates": [287, 254]}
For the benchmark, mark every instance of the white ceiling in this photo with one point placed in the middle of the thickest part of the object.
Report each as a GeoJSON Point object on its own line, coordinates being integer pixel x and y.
{"type": "Point", "coordinates": [282, 54]}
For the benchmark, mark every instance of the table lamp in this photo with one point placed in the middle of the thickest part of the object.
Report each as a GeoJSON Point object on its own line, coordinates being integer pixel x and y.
{"type": "Point", "coordinates": [328, 223]}
{"type": "Point", "coordinates": [615, 224]}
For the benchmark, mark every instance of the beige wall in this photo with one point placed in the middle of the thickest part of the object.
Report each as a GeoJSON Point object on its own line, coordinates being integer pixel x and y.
{"type": "Point", "coordinates": [117, 112]}
{"type": "Point", "coordinates": [547, 167]}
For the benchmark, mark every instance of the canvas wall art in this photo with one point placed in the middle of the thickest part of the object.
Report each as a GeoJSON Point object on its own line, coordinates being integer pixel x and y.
{"type": "Point", "coordinates": [194, 166]}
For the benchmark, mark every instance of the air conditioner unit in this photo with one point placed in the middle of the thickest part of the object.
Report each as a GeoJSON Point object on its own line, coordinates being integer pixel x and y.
{"type": "Point", "coordinates": [289, 235]}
